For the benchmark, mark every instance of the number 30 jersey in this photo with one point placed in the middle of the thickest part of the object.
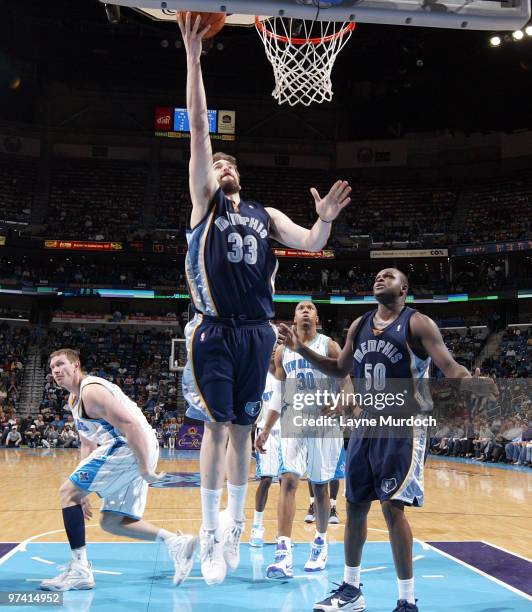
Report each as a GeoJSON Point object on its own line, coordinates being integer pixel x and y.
{"type": "Point", "coordinates": [230, 265]}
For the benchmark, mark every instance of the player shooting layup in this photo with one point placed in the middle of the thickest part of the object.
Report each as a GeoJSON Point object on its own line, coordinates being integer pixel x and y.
{"type": "Point", "coordinates": [391, 342]}
{"type": "Point", "coordinates": [119, 454]}
{"type": "Point", "coordinates": [230, 270]}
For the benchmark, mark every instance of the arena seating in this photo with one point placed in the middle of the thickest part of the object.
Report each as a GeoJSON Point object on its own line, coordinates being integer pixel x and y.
{"type": "Point", "coordinates": [96, 200]}
{"type": "Point", "coordinates": [514, 354]}
{"type": "Point", "coordinates": [17, 188]}
{"type": "Point", "coordinates": [104, 199]}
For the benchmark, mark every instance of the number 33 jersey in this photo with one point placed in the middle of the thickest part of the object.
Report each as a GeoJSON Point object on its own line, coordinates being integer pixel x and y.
{"type": "Point", "coordinates": [230, 265]}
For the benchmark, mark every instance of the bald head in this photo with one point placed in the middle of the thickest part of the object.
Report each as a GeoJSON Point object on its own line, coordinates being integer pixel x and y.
{"type": "Point", "coordinates": [391, 285]}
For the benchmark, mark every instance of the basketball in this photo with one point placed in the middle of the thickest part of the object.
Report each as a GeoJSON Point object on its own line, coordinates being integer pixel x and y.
{"type": "Point", "coordinates": [215, 20]}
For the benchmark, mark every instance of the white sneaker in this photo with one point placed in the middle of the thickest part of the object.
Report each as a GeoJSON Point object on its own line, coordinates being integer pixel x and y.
{"type": "Point", "coordinates": [256, 538]}
{"type": "Point", "coordinates": [232, 533]}
{"type": "Point", "coordinates": [182, 549]}
{"type": "Point", "coordinates": [213, 566]}
{"type": "Point", "coordinates": [75, 577]}
{"type": "Point", "coordinates": [318, 556]}
{"type": "Point", "coordinates": [281, 568]}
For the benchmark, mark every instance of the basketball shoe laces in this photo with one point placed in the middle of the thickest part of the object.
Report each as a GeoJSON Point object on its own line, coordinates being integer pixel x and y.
{"type": "Point", "coordinates": [207, 547]}
{"type": "Point", "coordinates": [65, 570]}
{"type": "Point", "coordinates": [235, 533]}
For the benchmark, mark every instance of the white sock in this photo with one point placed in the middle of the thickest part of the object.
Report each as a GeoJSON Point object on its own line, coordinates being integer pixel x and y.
{"type": "Point", "coordinates": [311, 500]}
{"type": "Point", "coordinates": [333, 503]}
{"type": "Point", "coordinates": [406, 590]}
{"type": "Point", "coordinates": [258, 517]}
{"type": "Point", "coordinates": [163, 535]}
{"type": "Point", "coordinates": [323, 536]}
{"type": "Point", "coordinates": [237, 500]}
{"type": "Point", "coordinates": [80, 555]}
{"type": "Point", "coordinates": [210, 507]}
{"type": "Point", "coordinates": [352, 575]}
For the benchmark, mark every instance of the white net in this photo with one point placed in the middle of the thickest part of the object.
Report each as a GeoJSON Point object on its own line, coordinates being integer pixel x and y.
{"type": "Point", "coordinates": [302, 54]}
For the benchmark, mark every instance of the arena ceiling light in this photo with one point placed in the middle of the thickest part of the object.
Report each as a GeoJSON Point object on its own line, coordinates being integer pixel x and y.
{"type": "Point", "coordinates": [495, 41]}
{"type": "Point", "coordinates": [528, 30]}
{"type": "Point", "coordinates": [518, 35]}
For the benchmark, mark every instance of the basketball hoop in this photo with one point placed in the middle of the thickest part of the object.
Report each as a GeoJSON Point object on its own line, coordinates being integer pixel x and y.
{"type": "Point", "coordinates": [302, 54]}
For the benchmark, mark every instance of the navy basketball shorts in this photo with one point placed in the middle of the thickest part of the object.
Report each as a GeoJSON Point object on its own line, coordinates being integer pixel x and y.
{"type": "Point", "coordinates": [386, 468]}
{"type": "Point", "coordinates": [227, 364]}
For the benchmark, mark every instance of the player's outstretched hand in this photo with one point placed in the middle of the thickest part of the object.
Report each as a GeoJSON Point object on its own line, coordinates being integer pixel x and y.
{"type": "Point", "coordinates": [87, 508]}
{"type": "Point", "coordinates": [151, 477]}
{"type": "Point", "coordinates": [483, 386]}
{"type": "Point", "coordinates": [329, 207]}
{"type": "Point", "coordinates": [192, 35]}
{"type": "Point", "coordinates": [260, 441]}
{"type": "Point", "coordinates": [288, 336]}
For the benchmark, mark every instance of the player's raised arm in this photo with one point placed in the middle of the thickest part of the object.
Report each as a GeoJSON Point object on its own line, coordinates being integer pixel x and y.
{"type": "Point", "coordinates": [337, 367]}
{"type": "Point", "coordinates": [202, 182]}
{"type": "Point", "coordinates": [285, 231]}
{"type": "Point", "coordinates": [100, 403]}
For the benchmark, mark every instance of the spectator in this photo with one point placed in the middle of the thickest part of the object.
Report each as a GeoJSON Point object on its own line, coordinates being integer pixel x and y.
{"type": "Point", "coordinates": [14, 439]}
{"type": "Point", "coordinates": [33, 436]}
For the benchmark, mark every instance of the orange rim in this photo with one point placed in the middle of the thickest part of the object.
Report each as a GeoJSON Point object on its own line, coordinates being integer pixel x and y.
{"type": "Point", "coordinates": [302, 41]}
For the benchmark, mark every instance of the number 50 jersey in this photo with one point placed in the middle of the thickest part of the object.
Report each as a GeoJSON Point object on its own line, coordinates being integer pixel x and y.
{"type": "Point", "coordinates": [230, 265]}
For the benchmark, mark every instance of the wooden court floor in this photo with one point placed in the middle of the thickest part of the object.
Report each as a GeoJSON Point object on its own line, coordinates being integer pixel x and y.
{"type": "Point", "coordinates": [463, 502]}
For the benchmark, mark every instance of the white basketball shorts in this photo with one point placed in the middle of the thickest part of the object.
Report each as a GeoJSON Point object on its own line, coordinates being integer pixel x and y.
{"type": "Point", "coordinates": [268, 464]}
{"type": "Point", "coordinates": [111, 471]}
{"type": "Point", "coordinates": [319, 458]}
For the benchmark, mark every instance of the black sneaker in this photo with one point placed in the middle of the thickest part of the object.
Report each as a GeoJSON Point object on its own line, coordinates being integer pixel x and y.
{"type": "Point", "coordinates": [346, 597]}
{"type": "Point", "coordinates": [334, 519]}
{"type": "Point", "coordinates": [404, 606]}
{"type": "Point", "coordinates": [310, 518]}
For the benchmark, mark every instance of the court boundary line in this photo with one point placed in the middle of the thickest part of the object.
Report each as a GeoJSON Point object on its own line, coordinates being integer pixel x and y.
{"type": "Point", "coordinates": [504, 550]}
{"type": "Point", "coordinates": [479, 571]}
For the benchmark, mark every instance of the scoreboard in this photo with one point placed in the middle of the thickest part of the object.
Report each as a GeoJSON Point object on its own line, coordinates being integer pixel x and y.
{"type": "Point", "coordinates": [174, 123]}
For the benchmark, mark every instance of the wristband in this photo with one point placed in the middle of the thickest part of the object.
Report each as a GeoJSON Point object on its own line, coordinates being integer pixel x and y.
{"type": "Point", "coordinates": [323, 220]}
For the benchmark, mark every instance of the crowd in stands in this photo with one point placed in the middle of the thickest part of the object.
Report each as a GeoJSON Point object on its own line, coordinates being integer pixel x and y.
{"type": "Point", "coordinates": [513, 358]}
{"type": "Point", "coordinates": [14, 342]}
{"type": "Point", "coordinates": [487, 440]}
{"type": "Point", "coordinates": [500, 209]}
{"type": "Point", "coordinates": [84, 272]}
{"type": "Point", "coordinates": [17, 189]}
{"type": "Point", "coordinates": [465, 346]}
{"type": "Point", "coordinates": [95, 199]}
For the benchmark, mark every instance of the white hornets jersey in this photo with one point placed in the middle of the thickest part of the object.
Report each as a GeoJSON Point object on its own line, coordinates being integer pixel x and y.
{"type": "Point", "coordinates": [301, 376]}
{"type": "Point", "coordinates": [267, 400]}
{"type": "Point", "coordinates": [100, 431]}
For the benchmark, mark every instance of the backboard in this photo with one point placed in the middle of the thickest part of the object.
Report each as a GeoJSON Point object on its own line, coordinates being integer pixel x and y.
{"type": "Point", "coordinates": [458, 14]}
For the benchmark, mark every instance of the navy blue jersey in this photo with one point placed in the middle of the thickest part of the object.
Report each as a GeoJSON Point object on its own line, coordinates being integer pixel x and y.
{"type": "Point", "coordinates": [383, 360]}
{"type": "Point", "coordinates": [230, 265]}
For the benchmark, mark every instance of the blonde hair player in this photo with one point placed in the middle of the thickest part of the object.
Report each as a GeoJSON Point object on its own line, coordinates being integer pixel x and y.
{"type": "Point", "coordinates": [230, 270]}
{"type": "Point", "coordinates": [119, 454]}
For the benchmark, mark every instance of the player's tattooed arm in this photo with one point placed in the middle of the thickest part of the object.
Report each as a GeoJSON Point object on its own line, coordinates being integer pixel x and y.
{"type": "Point", "coordinates": [100, 403]}
{"type": "Point", "coordinates": [202, 181]}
